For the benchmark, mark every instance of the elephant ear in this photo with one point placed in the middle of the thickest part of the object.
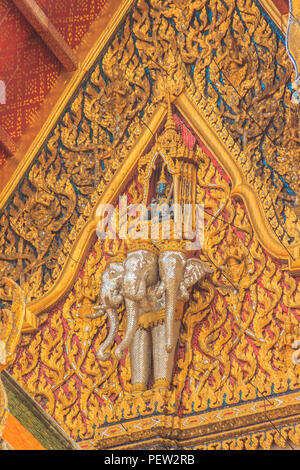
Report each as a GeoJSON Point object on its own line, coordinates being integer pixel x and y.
{"type": "Point", "coordinates": [194, 271]}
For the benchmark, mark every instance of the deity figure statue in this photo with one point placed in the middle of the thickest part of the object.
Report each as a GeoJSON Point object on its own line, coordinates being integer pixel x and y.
{"type": "Point", "coordinates": [161, 204]}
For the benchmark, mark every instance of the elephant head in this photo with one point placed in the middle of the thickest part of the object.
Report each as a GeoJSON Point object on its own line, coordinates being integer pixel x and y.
{"type": "Point", "coordinates": [133, 281]}
{"type": "Point", "coordinates": [111, 299]}
{"type": "Point", "coordinates": [177, 275]}
{"type": "Point", "coordinates": [140, 273]}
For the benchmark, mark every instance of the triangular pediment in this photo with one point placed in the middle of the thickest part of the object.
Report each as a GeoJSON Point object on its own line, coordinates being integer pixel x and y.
{"type": "Point", "coordinates": [222, 74]}
{"type": "Point", "coordinates": [99, 129]}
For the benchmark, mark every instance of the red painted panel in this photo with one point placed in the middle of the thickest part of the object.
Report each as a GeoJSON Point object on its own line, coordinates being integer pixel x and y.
{"type": "Point", "coordinates": [282, 5]}
{"type": "Point", "coordinates": [27, 66]}
{"type": "Point", "coordinates": [72, 18]}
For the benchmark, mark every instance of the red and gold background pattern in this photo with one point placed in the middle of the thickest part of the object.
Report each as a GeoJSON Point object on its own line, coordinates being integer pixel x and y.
{"type": "Point", "coordinates": [230, 348]}
{"type": "Point", "coordinates": [27, 67]}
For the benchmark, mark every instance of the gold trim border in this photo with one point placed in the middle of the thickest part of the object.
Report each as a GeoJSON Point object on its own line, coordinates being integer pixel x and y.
{"type": "Point", "coordinates": [203, 428]}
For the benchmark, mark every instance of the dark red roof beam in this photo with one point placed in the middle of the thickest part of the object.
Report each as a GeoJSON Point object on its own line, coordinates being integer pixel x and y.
{"type": "Point", "coordinates": [282, 5]}
{"type": "Point", "coordinates": [49, 34]}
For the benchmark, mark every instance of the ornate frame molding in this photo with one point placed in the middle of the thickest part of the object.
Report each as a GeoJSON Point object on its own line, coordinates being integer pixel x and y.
{"type": "Point", "coordinates": [279, 19]}
{"type": "Point", "coordinates": [212, 429]}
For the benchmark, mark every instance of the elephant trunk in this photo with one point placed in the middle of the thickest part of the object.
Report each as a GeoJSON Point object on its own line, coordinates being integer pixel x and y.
{"type": "Point", "coordinates": [134, 291]}
{"type": "Point", "coordinates": [131, 327]}
{"type": "Point", "coordinates": [170, 315]}
{"type": "Point", "coordinates": [114, 326]}
{"type": "Point", "coordinates": [171, 268]}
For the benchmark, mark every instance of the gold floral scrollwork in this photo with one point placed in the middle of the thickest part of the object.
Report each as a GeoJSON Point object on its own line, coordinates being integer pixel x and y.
{"type": "Point", "coordinates": [228, 343]}
{"type": "Point", "coordinates": [234, 343]}
{"type": "Point", "coordinates": [245, 97]}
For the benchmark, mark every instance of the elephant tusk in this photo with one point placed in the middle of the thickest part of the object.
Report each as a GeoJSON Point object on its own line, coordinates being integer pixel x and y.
{"type": "Point", "coordinates": [100, 311]}
{"type": "Point", "coordinates": [119, 353]}
{"type": "Point", "coordinates": [103, 356]}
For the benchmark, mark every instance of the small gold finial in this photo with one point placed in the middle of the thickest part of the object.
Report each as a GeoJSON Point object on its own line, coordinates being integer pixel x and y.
{"type": "Point", "coordinates": [162, 179]}
{"type": "Point", "coordinates": [170, 123]}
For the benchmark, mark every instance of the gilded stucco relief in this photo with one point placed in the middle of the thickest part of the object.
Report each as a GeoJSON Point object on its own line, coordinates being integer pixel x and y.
{"type": "Point", "coordinates": [237, 330]}
{"type": "Point", "coordinates": [235, 341]}
{"type": "Point", "coordinates": [245, 95]}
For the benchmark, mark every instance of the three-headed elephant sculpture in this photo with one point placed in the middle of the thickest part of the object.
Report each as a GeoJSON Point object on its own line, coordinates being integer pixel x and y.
{"type": "Point", "coordinates": [154, 288]}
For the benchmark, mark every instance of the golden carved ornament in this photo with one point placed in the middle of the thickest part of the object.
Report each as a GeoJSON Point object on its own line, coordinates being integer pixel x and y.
{"type": "Point", "coordinates": [242, 97]}
{"type": "Point", "coordinates": [230, 340]}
